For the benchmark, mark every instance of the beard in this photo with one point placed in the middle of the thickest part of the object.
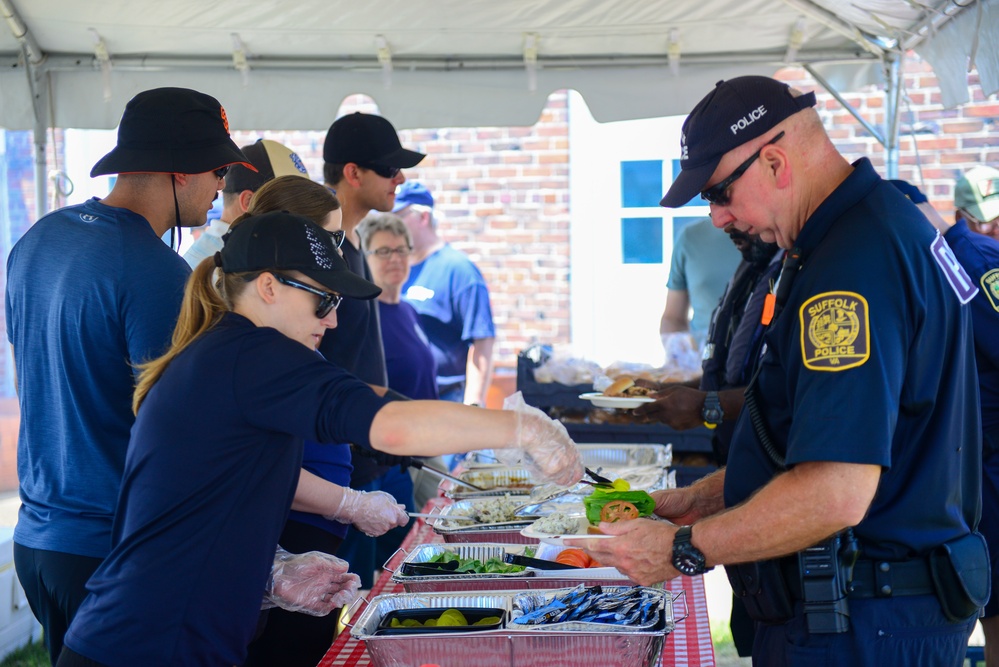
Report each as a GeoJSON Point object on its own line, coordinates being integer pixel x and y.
{"type": "Point", "coordinates": [754, 250]}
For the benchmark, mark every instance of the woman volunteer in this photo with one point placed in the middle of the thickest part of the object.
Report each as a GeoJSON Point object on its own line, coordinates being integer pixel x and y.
{"type": "Point", "coordinates": [206, 490]}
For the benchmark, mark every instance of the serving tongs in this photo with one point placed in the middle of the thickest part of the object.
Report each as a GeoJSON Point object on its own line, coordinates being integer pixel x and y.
{"type": "Point", "coordinates": [420, 465]}
{"type": "Point", "coordinates": [537, 563]}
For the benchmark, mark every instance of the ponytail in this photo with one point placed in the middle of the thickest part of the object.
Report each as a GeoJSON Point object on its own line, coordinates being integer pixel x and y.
{"type": "Point", "coordinates": [204, 305]}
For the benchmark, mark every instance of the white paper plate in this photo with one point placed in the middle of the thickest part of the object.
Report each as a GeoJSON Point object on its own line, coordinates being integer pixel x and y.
{"type": "Point", "coordinates": [623, 402]}
{"type": "Point", "coordinates": [548, 538]}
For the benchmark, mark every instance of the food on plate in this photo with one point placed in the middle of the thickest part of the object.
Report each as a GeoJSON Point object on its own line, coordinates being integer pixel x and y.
{"type": "Point", "coordinates": [618, 510]}
{"type": "Point", "coordinates": [625, 386]}
{"type": "Point", "coordinates": [557, 523]}
{"type": "Point", "coordinates": [476, 566]}
{"type": "Point", "coordinates": [574, 557]}
{"type": "Point", "coordinates": [641, 502]}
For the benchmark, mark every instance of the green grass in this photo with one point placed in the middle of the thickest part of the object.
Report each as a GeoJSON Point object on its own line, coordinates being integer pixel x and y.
{"type": "Point", "coordinates": [32, 655]}
{"type": "Point", "coordinates": [721, 637]}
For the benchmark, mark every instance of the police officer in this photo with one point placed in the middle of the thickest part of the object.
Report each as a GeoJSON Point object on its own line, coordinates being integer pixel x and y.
{"type": "Point", "coordinates": [978, 254]}
{"type": "Point", "coordinates": [856, 462]}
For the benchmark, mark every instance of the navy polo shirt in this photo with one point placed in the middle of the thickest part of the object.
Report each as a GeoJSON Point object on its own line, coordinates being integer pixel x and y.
{"type": "Point", "coordinates": [871, 361]}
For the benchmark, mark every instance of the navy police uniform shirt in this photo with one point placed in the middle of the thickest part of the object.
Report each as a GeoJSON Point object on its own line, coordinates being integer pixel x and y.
{"type": "Point", "coordinates": [206, 493]}
{"type": "Point", "coordinates": [871, 361]}
{"type": "Point", "coordinates": [979, 255]}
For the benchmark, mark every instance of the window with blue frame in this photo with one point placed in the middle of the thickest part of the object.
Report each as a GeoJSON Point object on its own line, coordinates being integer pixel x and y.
{"type": "Point", "coordinates": [642, 240]}
{"type": "Point", "coordinates": [641, 187]}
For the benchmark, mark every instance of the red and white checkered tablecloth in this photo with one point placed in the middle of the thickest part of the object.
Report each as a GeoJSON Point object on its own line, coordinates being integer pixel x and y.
{"type": "Point", "coordinates": [689, 645]}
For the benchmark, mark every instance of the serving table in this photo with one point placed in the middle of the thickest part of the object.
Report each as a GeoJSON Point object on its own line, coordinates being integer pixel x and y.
{"type": "Point", "coordinates": [689, 645]}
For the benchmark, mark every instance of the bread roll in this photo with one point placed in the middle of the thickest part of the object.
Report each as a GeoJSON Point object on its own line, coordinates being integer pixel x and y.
{"type": "Point", "coordinates": [619, 386]}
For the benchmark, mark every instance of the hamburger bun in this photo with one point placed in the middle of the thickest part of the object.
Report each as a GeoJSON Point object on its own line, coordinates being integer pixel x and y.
{"type": "Point", "coordinates": [625, 386]}
{"type": "Point", "coordinates": [619, 386]}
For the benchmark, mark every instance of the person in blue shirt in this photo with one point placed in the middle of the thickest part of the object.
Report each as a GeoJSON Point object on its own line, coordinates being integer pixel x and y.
{"type": "Point", "coordinates": [861, 423]}
{"type": "Point", "coordinates": [91, 292]}
{"type": "Point", "coordinates": [204, 498]}
{"type": "Point", "coordinates": [452, 299]}
{"type": "Point", "coordinates": [700, 267]}
{"type": "Point", "coordinates": [978, 254]}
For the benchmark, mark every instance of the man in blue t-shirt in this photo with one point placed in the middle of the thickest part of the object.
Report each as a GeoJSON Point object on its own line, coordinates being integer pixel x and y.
{"type": "Point", "coordinates": [449, 293]}
{"type": "Point", "coordinates": [92, 292]}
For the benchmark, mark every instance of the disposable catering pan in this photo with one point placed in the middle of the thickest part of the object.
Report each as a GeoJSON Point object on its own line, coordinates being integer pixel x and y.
{"type": "Point", "coordinates": [461, 531]}
{"type": "Point", "coordinates": [494, 481]}
{"type": "Point", "coordinates": [528, 579]}
{"type": "Point", "coordinates": [597, 455]}
{"type": "Point", "coordinates": [554, 645]}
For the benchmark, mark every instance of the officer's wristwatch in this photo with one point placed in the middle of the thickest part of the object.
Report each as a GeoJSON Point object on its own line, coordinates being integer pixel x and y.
{"type": "Point", "coordinates": [687, 558]}
{"type": "Point", "coordinates": [712, 414]}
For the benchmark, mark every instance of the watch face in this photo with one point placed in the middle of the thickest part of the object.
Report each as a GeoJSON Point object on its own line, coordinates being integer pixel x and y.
{"type": "Point", "coordinates": [689, 563]}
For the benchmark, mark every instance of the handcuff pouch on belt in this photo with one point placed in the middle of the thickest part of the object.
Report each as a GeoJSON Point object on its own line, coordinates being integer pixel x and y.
{"type": "Point", "coordinates": [962, 576]}
{"type": "Point", "coordinates": [761, 587]}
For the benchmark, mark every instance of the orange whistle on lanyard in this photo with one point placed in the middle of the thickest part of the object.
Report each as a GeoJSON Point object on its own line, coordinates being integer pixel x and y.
{"type": "Point", "coordinates": [769, 303]}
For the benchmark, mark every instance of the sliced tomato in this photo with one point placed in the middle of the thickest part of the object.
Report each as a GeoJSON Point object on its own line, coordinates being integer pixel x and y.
{"type": "Point", "coordinates": [574, 557]}
{"type": "Point", "coordinates": [618, 510]}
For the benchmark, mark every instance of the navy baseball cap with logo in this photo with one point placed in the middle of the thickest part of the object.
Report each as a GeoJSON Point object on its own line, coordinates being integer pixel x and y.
{"type": "Point", "coordinates": [364, 138]}
{"type": "Point", "coordinates": [173, 131]}
{"type": "Point", "coordinates": [736, 111]}
{"type": "Point", "coordinates": [412, 192]}
{"type": "Point", "coordinates": [283, 240]}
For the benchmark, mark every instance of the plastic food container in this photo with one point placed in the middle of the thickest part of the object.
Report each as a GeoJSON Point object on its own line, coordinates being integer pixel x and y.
{"type": "Point", "coordinates": [471, 614]}
{"type": "Point", "coordinates": [555, 645]}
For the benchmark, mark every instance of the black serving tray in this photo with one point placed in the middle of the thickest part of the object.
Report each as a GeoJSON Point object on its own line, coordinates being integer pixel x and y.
{"type": "Point", "coordinates": [472, 614]}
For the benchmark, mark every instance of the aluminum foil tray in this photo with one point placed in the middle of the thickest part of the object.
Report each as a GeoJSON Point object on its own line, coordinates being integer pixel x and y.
{"type": "Point", "coordinates": [498, 533]}
{"type": "Point", "coordinates": [545, 646]}
{"type": "Point", "coordinates": [529, 580]}
{"type": "Point", "coordinates": [607, 455]}
{"type": "Point", "coordinates": [443, 524]}
{"type": "Point", "coordinates": [496, 481]}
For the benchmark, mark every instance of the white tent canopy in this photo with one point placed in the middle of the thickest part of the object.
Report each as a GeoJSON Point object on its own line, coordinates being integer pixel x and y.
{"type": "Point", "coordinates": [288, 64]}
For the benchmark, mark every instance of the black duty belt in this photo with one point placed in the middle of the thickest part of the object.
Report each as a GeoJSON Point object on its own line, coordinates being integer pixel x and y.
{"type": "Point", "coordinates": [876, 578]}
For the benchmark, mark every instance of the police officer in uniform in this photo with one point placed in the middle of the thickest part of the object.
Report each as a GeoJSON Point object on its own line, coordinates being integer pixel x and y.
{"type": "Point", "coordinates": [855, 489]}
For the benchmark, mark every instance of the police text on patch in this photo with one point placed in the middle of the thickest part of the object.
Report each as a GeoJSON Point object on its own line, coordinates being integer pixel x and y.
{"type": "Point", "coordinates": [749, 119]}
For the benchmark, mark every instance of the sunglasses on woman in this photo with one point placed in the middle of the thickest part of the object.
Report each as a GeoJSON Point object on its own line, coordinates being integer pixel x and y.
{"type": "Point", "coordinates": [338, 237]}
{"type": "Point", "coordinates": [328, 301]}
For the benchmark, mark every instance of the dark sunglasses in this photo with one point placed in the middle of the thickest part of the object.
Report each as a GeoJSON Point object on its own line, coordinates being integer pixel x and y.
{"type": "Point", "coordinates": [718, 193]}
{"type": "Point", "coordinates": [328, 301]}
{"type": "Point", "coordinates": [221, 171]}
{"type": "Point", "coordinates": [384, 172]}
{"type": "Point", "coordinates": [338, 237]}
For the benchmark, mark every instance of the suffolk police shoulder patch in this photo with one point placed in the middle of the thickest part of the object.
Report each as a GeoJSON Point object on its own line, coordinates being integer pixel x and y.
{"type": "Point", "coordinates": [990, 285]}
{"type": "Point", "coordinates": [835, 331]}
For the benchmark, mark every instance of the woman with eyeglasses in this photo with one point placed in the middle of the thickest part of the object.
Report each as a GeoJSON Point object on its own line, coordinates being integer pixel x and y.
{"type": "Point", "coordinates": [412, 369]}
{"type": "Point", "coordinates": [204, 496]}
{"type": "Point", "coordinates": [324, 506]}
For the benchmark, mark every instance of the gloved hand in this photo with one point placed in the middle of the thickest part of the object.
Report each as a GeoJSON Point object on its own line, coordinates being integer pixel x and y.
{"type": "Point", "coordinates": [373, 513]}
{"type": "Point", "coordinates": [546, 448]}
{"type": "Point", "coordinates": [313, 583]}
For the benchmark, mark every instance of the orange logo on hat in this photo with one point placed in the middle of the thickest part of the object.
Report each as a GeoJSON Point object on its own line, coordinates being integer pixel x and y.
{"type": "Point", "coordinates": [225, 119]}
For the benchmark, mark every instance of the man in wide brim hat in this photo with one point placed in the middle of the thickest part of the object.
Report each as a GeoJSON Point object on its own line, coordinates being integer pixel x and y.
{"type": "Point", "coordinates": [92, 292]}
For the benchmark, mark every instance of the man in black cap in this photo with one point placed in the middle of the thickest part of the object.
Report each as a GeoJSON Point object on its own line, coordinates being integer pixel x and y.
{"type": "Point", "coordinates": [855, 493]}
{"type": "Point", "coordinates": [363, 164]}
{"type": "Point", "coordinates": [92, 292]}
{"type": "Point", "coordinates": [271, 160]}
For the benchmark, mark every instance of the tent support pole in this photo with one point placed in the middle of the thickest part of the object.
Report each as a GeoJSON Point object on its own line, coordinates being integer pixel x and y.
{"type": "Point", "coordinates": [846, 105]}
{"type": "Point", "coordinates": [893, 111]}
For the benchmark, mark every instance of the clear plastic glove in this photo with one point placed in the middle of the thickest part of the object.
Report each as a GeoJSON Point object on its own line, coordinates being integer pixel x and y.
{"type": "Point", "coordinates": [543, 445]}
{"type": "Point", "coordinates": [373, 513]}
{"type": "Point", "coordinates": [313, 583]}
